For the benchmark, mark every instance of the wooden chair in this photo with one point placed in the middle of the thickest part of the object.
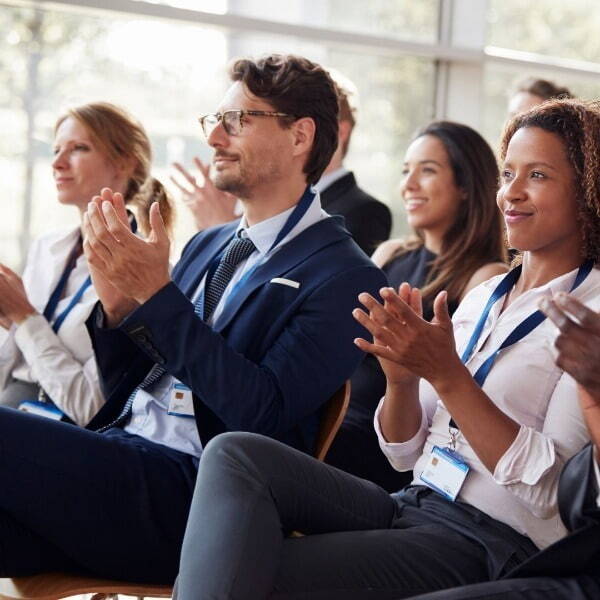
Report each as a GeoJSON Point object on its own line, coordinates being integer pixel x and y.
{"type": "Point", "coordinates": [55, 586]}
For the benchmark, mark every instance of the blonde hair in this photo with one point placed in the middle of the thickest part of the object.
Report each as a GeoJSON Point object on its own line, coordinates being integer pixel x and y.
{"type": "Point", "coordinates": [121, 137]}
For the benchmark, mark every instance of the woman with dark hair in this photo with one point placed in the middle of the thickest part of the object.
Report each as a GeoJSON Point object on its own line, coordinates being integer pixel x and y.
{"type": "Point", "coordinates": [449, 185]}
{"type": "Point", "coordinates": [476, 406]}
{"type": "Point", "coordinates": [47, 364]}
{"type": "Point", "coordinates": [532, 91]}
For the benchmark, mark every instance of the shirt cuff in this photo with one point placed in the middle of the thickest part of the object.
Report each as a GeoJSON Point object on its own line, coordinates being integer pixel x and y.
{"type": "Point", "coordinates": [527, 459]}
{"type": "Point", "coordinates": [402, 455]}
{"type": "Point", "coordinates": [597, 474]}
{"type": "Point", "coordinates": [33, 335]}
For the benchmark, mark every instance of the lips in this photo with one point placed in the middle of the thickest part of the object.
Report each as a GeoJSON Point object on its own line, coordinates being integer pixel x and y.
{"type": "Point", "coordinates": [63, 180]}
{"type": "Point", "coordinates": [515, 216]}
{"type": "Point", "coordinates": [414, 203]}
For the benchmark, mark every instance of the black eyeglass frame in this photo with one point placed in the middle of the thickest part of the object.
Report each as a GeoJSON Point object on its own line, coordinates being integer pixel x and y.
{"type": "Point", "coordinates": [240, 114]}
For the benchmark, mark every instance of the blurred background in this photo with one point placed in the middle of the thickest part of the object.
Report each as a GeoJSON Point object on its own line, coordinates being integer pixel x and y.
{"type": "Point", "coordinates": [411, 60]}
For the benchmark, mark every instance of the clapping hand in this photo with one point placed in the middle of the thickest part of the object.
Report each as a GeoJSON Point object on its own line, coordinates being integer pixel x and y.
{"type": "Point", "coordinates": [14, 304]}
{"type": "Point", "coordinates": [209, 205]}
{"type": "Point", "coordinates": [128, 269]}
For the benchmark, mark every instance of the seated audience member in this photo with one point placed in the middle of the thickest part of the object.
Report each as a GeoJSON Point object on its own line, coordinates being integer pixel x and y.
{"type": "Point", "coordinates": [46, 361]}
{"type": "Point", "coordinates": [449, 188]}
{"type": "Point", "coordinates": [532, 91]}
{"type": "Point", "coordinates": [254, 332]}
{"type": "Point", "coordinates": [368, 220]}
{"type": "Point", "coordinates": [568, 569]}
{"type": "Point", "coordinates": [476, 406]}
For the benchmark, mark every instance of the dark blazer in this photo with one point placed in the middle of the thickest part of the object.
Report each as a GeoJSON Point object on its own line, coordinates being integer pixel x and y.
{"type": "Point", "coordinates": [277, 352]}
{"type": "Point", "coordinates": [579, 552]}
{"type": "Point", "coordinates": [368, 220]}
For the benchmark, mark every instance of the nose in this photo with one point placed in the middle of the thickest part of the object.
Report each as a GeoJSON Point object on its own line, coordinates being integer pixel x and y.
{"type": "Point", "coordinates": [512, 190]}
{"type": "Point", "coordinates": [218, 137]}
{"type": "Point", "coordinates": [60, 160]}
{"type": "Point", "coordinates": [409, 182]}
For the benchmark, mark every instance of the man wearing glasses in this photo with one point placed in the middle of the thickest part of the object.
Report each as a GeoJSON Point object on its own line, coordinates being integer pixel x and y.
{"type": "Point", "coordinates": [252, 331]}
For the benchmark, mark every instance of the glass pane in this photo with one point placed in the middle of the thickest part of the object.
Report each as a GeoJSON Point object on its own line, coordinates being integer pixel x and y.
{"type": "Point", "coordinates": [167, 74]}
{"type": "Point", "coordinates": [552, 27]}
{"type": "Point", "coordinates": [499, 83]}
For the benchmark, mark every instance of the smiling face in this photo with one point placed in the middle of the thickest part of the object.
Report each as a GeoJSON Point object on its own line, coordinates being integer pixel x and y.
{"type": "Point", "coordinates": [537, 194]}
{"type": "Point", "coordinates": [429, 190]}
{"type": "Point", "coordinates": [80, 169]}
{"type": "Point", "coordinates": [260, 156]}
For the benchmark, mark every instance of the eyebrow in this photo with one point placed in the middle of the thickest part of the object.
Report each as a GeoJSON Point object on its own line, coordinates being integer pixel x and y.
{"type": "Point", "coordinates": [427, 160]}
{"type": "Point", "coordinates": [537, 163]}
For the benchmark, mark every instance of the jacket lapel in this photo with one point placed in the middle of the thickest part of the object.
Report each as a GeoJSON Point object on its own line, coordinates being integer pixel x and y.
{"type": "Point", "coordinates": [311, 240]}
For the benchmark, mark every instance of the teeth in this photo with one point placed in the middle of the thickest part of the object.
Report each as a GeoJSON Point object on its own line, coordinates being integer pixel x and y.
{"type": "Point", "coordinates": [410, 204]}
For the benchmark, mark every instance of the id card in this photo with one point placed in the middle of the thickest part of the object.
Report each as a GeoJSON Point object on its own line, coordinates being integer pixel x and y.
{"type": "Point", "coordinates": [181, 401]}
{"type": "Point", "coordinates": [445, 472]}
{"type": "Point", "coordinates": [42, 409]}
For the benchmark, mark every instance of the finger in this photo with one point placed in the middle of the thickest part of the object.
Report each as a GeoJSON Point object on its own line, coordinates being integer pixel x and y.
{"type": "Point", "coordinates": [190, 178]}
{"type": "Point", "coordinates": [549, 307]}
{"type": "Point", "coordinates": [382, 333]}
{"type": "Point", "coordinates": [416, 301]}
{"type": "Point", "coordinates": [9, 273]}
{"type": "Point", "coordinates": [101, 235]}
{"type": "Point", "coordinates": [381, 314]}
{"type": "Point", "coordinates": [182, 188]}
{"type": "Point", "coordinates": [587, 318]}
{"type": "Point", "coordinates": [121, 210]}
{"type": "Point", "coordinates": [404, 291]}
{"type": "Point", "coordinates": [404, 312]}
{"type": "Point", "coordinates": [204, 168]}
{"type": "Point", "coordinates": [95, 252]}
{"type": "Point", "coordinates": [158, 232]}
{"type": "Point", "coordinates": [115, 225]}
{"type": "Point", "coordinates": [441, 315]}
{"type": "Point", "coordinates": [375, 349]}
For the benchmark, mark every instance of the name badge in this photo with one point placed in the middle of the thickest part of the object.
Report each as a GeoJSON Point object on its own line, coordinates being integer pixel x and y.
{"type": "Point", "coordinates": [445, 472]}
{"type": "Point", "coordinates": [181, 401]}
{"type": "Point", "coordinates": [41, 409]}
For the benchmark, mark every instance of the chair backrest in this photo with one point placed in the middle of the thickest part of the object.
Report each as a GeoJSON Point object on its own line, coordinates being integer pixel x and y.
{"type": "Point", "coordinates": [331, 419]}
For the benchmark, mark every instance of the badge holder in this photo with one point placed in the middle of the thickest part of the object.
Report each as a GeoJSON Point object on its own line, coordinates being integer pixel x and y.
{"type": "Point", "coordinates": [181, 401]}
{"type": "Point", "coordinates": [446, 470]}
{"type": "Point", "coordinates": [42, 407]}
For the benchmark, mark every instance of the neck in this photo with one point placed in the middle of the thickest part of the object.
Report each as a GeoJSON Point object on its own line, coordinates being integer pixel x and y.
{"type": "Point", "coordinates": [539, 269]}
{"type": "Point", "coordinates": [433, 240]}
{"type": "Point", "coordinates": [335, 164]}
{"type": "Point", "coordinates": [272, 199]}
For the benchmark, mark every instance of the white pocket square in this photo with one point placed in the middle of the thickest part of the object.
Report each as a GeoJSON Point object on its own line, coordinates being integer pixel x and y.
{"type": "Point", "coordinates": [284, 281]}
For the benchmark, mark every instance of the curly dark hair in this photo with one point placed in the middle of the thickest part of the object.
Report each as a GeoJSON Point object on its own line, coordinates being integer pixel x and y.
{"type": "Point", "coordinates": [298, 87]}
{"type": "Point", "coordinates": [577, 123]}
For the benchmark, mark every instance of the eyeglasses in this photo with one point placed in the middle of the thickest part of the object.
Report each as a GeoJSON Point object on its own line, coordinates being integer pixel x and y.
{"type": "Point", "coordinates": [233, 120]}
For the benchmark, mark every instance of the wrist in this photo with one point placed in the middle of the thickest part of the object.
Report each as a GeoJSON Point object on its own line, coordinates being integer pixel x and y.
{"type": "Point", "coordinates": [115, 314]}
{"type": "Point", "coordinates": [144, 296]}
{"type": "Point", "coordinates": [19, 318]}
{"type": "Point", "coordinates": [454, 375]}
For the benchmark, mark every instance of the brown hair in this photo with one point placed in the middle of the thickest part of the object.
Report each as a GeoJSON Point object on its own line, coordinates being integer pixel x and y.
{"type": "Point", "coordinates": [542, 88]}
{"type": "Point", "coordinates": [577, 123]}
{"type": "Point", "coordinates": [301, 88]}
{"type": "Point", "coordinates": [121, 137]}
{"type": "Point", "coordinates": [476, 236]}
{"type": "Point", "coordinates": [347, 113]}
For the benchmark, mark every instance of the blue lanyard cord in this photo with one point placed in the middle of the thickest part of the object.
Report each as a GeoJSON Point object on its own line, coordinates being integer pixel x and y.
{"type": "Point", "coordinates": [60, 288]}
{"type": "Point", "coordinates": [523, 329]}
{"type": "Point", "coordinates": [299, 211]}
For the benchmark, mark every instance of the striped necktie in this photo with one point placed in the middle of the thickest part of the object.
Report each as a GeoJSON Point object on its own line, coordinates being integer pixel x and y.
{"type": "Point", "coordinates": [238, 250]}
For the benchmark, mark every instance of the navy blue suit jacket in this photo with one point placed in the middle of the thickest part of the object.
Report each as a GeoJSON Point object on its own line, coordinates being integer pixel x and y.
{"type": "Point", "coordinates": [277, 352]}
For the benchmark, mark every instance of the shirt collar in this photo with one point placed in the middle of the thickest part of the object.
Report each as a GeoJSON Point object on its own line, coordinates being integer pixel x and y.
{"type": "Point", "coordinates": [330, 178]}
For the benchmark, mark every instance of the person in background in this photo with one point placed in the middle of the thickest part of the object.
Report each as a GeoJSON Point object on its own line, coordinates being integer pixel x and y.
{"type": "Point", "coordinates": [568, 569]}
{"type": "Point", "coordinates": [46, 360]}
{"type": "Point", "coordinates": [448, 188]}
{"type": "Point", "coordinates": [368, 220]}
{"type": "Point", "coordinates": [531, 91]}
{"type": "Point", "coordinates": [477, 406]}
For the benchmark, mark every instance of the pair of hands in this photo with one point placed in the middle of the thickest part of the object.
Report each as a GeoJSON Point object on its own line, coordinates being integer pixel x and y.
{"type": "Point", "coordinates": [126, 270]}
{"type": "Point", "coordinates": [14, 304]}
{"type": "Point", "coordinates": [208, 205]}
{"type": "Point", "coordinates": [407, 346]}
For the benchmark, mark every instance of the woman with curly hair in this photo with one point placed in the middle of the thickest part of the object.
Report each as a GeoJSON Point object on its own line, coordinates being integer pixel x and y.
{"type": "Point", "coordinates": [476, 406]}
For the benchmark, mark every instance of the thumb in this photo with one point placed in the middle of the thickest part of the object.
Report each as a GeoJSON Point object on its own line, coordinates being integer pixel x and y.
{"type": "Point", "coordinates": [441, 316]}
{"type": "Point", "coordinates": [158, 233]}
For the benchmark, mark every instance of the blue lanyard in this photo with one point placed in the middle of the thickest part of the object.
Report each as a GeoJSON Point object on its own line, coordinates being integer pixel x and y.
{"type": "Point", "coordinates": [524, 328]}
{"type": "Point", "coordinates": [294, 218]}
{"type": "Point", "coordinates": [60, 288]}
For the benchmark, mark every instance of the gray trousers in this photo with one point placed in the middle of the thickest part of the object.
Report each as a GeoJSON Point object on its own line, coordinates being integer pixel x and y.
{"type": "Point", "coordinates": [360, 542]}
{"type": "Point", "coordinates": [585, 587]}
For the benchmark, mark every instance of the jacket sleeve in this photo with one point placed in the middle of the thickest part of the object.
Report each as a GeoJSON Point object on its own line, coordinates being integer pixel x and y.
{"type": "Point", "coordinates": [309, 359]}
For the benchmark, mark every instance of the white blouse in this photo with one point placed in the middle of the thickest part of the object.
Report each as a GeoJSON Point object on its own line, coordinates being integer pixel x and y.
{"type": "Point", "coordinates": [527, 385]}
{"type": "Point", "coordinates": [62, 363]}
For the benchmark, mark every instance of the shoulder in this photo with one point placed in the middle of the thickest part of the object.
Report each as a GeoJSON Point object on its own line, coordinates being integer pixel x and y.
{"type": "Point", "coordinates": [386, 251]}
{"type": "Point", "coordinates": [484, 273]}
{"type": "Point", "coordinates": [40, 245]}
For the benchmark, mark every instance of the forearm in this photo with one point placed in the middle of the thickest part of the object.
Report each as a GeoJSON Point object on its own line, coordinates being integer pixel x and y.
{"type": "Point", "coordinates": [401, 413]}
{"type": "Point", "coordinates": [590, 406]}
{"type": "Point", "coordinates": [489, 431]}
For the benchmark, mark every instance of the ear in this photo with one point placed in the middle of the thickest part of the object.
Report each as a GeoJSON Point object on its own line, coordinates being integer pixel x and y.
{"type": "Point", "coordinates": [344, 131]}
{"type": "Point", "coordinates": [303, 135]}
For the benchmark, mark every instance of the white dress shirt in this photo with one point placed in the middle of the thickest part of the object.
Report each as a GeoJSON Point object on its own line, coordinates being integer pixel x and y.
{"type": "Point", "coordinates": [62, 363]}
{"type": "Point", "coordinates": [526, 384]}
{"type": "Point", "coordinates": [597, 472]}
{"type": "Point", "coordinates": [329, 179]}
{"type": "Point", "coordinates": [149, 417]}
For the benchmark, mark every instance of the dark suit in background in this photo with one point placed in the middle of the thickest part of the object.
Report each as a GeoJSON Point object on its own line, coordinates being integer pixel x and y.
{"type": "Point", "coordinates": [368, 220]}
{"type": "Point", "coordinates": [569, 569]}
